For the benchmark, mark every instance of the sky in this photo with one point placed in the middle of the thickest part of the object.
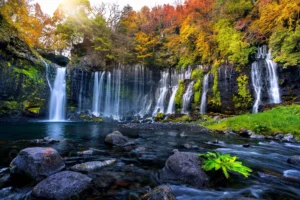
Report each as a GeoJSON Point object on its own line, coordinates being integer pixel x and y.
{"type": "Point", "coordinates": [49, 6]}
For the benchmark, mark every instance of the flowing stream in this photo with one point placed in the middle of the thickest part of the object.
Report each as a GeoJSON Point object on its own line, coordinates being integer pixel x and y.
{"type": "Point", "coordinates": [137, 165]}
{"type": "Point", "coordinates": [203, 104]}
{"type": "Point", "coordinates": [57, 108]}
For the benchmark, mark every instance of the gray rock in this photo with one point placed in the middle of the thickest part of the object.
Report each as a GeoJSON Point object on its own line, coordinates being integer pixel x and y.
{"type": "Point", "coordinates": [217, 118]}
{"type": "Point", "coordinates": [245, 133]}
{"type": "Point", "coordinates": [288, 138]}
{"type": "Point", "coordinates": [162, 192]}
{"type": "Point", "coordinates": [92, 166]}
{"type": "Point", "coordinates": [190, 145]}
{"type": "Point", "coordinates": [184, 168]}
{"type": "Point", "coordinates": [62, 185]}
{"type": "Point", "coordinates": [278, 136]}
{"type": "Point", "coordinates": [37, 163]}
{"type": "Point", "coordinates": [254, 136]}
{"type": "Point", "coordinates": [117, 139]}
{"type": "Point", "coordinates": [295, 160]}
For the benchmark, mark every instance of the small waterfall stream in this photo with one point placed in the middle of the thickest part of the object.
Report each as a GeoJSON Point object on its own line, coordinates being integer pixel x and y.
{"type": "Point", "coordinates": [58, 96]}
{"type": "Point", "coordinates": [171, 106]}
{"type": "Point", "coordinates": [204, 94]}
{"type": "Point", "coordinates": [257, 85]}
{"type": "Point", "coordinates": [47, 74]}
{"type": "Point", "coordinates": [264, 78]}
{"type": "Point", "coordinates": [161, 94]}
{"type": "Point", "coordinates": [186, 98]}
{"type": "Point", "coordinates": [273, 80]}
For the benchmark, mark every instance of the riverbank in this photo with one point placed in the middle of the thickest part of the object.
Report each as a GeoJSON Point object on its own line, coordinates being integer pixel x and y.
{"type": "Point", "coordinates": [282, 119]}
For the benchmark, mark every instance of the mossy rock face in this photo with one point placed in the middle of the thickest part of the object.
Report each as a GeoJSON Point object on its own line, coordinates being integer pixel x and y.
{"type": "Point", "coordinates": [88, 118]}
{"type": "Point", "coordinates": [159, 117]}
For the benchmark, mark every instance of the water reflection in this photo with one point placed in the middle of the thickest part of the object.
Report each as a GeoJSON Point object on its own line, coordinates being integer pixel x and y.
{"type": "Point", "coordinates": [55, 130]}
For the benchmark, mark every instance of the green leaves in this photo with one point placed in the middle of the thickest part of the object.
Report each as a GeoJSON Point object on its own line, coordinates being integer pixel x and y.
{"type": "Point", "coordinates": [226, 162]}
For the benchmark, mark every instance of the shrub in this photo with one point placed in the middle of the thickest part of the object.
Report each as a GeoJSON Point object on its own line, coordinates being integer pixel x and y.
{"type": "Point", "coordinates": [226, 162]}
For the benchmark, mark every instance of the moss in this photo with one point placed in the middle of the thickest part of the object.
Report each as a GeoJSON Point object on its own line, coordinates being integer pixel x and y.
{"type": "Point", "coordinates": [87, 118]}
{"type": "Point", "coordinates": [182, 119]}
{"type": "Point", "coordinates": [178, 96]}
{"type": "Point", "coordinates": [159, 117]}
{"type": "Point", "coordinates": [197, 76]}
{"type": "Point", "coordinates": [215, 98]}
{"type": "Point", "coordinates": [242, 100]}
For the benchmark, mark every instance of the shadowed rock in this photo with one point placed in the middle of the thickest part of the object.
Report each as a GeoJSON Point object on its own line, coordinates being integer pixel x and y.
{"type": "Point", "coordinates": [92, 166]}
{"type": "Point", "coordinates": [162, 192]}
{"type": "Point", "coordinates": [184, 168]}
{"type": "Point", "coordinates": [117, 139]}
{"type": "Point", "coordinates": [37, 163]}
{"type": "Point", "coordinates": [62, 185]}
{"type": "Point", "coordinates": [295, 160]}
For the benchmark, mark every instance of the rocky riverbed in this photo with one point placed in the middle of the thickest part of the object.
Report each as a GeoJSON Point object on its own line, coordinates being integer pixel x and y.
{"type": "Point", "coordinates": [111, 161]}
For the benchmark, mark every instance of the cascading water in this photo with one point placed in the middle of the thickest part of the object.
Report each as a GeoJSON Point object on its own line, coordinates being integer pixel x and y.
{"type": "Point", "coordinates": [107, 108]}
{"type": "Point", "coordinates": [171, 106]}
{"type": "Point", "coordinates": [257, 85]}
{"type": "Point", "coordinates": [47, 74]}
{"type": "Point", "coordinates": [162, 94]}
{"type": "Point", "coordinates": [97, 93]}
{"type": "Point", "coordinates": [264, 78]}
{"type": "Point", "coordinates": [186, 98]}
{"type": "Point", "coordinates": [58, 97]}
{"type": "Point", "coordinates": [204, 94]}
{"type": "Point", "coordinates": [273, 80]}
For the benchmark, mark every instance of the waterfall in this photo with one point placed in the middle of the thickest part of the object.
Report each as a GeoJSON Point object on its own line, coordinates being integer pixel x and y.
{"type": "Point", "coordinates": [95, 109]}
{"type": "Point", "coordinates": [257, 85]}
{"type": "Point", "coordinates": [204, 94]}
{"type": "Point", "coordinates": [58, 96]}
{"type": "Point", "coordinates": [171, 106]}
{"type": "Point", "coordinates": [273, 80]}
{"type": "Point", "coordinates": [107, 109]}
{"type": "Point", "coordinates": [97, 93]}
{"type": "Point", "coordinates": [80, 93]}
{"type": "Point", "coordinates": [117, 94]}
{"type": "Point", "coordinates": [187, 98]}
{"type": "Point", "coordinates": [47, 74]}
{"type": "Point", "coordinates": [161, 93]}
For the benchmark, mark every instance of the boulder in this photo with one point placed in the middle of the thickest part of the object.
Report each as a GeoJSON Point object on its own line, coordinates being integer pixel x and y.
{"type": "Point", "coordinates": [62, 185]}
{"type": "Point", "coordinates": [117, 139]}
{"type": "Point", "coordinates": [37, 163]}
{"type": "Point", "coordinates": [184, 168]}
{"type": "Point", "coordinates": [295, 160]}
{"type": "Point", "coordinates": [245, 133]}
{"type": "Point", "coordinates": [162, 192]}
{"type": "Point", "coordinates": [288, 138]}
{"type": "Point", "coordinates": [92, 166]}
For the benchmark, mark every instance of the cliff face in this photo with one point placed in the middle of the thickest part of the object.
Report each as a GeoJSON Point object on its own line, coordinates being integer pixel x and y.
{"type": "Point", "coordinates": [288, 78]}
{"type": "Point", "coordinates": [23, 89]}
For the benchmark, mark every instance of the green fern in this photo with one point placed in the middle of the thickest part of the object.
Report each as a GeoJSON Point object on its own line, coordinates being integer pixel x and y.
{"type": "Point", "coordinates": [226, 162]}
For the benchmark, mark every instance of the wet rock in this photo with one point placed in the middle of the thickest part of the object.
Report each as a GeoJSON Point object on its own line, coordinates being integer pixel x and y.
{"type": "Point", "coordinates": [246, 145]}
{"type": "Point", "coordinates": [37, 163]}
{"type": "Point", "coordinates": [62, 185]}
{"type": "Point", "coordinates": [117, 139]}
{"type": "Point", "coordinates": [92, 166]}
{"type": "Point", "coordinates": [295, 160]}
{"type": "Point", "coordinates": [288, 138]}
{"type": "Point", "coordinates": [133, 196]}
{"type": "Point", "coordinates": [245, 133]}
{"type": "Point", "coordinates": [278, 136]}
{"type": "Point", "coordinates": [259, 137]}
{"type": "Point", "coordinates": [4, 180]}
{"type": "Point", "coordinates": [217, 118]}
{"type": "Point", "coordinates": [184, 168]}
{"type": "Point", "coordinates": [190, 145]}
{"type": "Point", "coordinates": [183, 134]}
{"type": "Point", "coordinates": [162, 192]}
{"type": "Point", "coordinates": [46, 140]}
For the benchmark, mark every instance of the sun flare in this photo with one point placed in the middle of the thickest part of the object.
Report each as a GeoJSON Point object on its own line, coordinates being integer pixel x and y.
{"type": "Point", "coordinates": [49, 6]}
